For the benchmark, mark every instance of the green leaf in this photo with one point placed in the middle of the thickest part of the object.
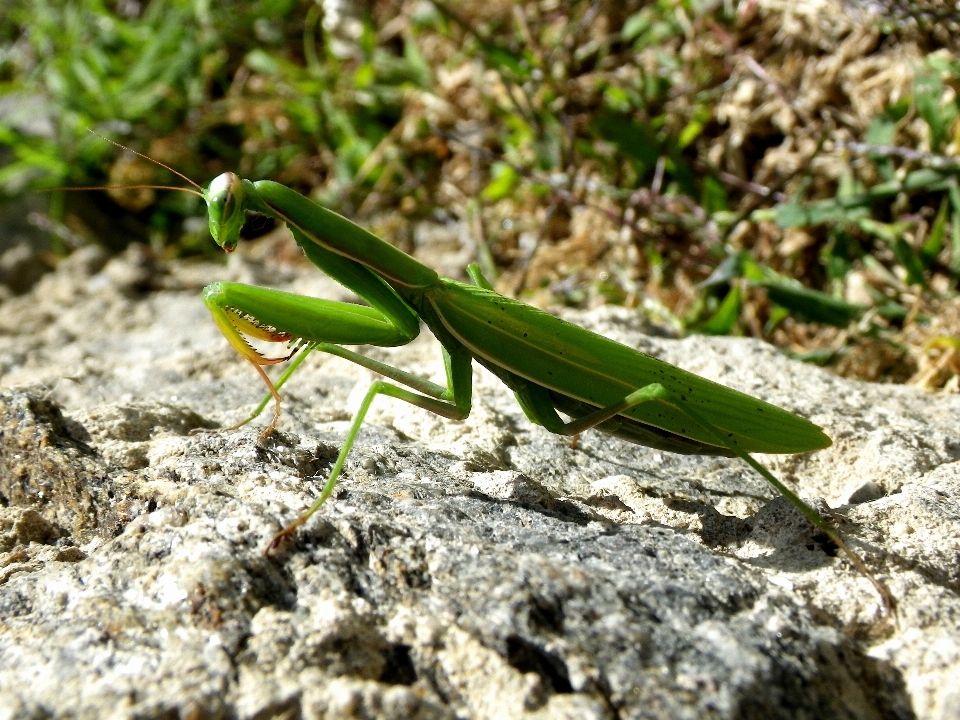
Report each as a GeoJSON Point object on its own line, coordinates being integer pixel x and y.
{"type": "Point", "coordinates": [617, 99]}
{"type": "Point", "coordinates": [910, 261]}
{"type": "Point", "coordinates": [365, 76]}
{"type": "Point", "coordinates": [821, 356]}
{"type": "Point", "coordinates": [838, 254]}
{"type": "Point", "coordinates": [882, 131]}
{"type": "Point", "coordinates": [888, 232]}
{"type": "Point", "coordinates": [714, 197]}
{"type": "Point", "coordinates": [791, 215]}
{"type": "Point", "coordinates": [955, 243]}
{"type": "Point", "coordinates": [726, 316]}
{"type": "Point", "coordinates": [778, 314]}
{"type": "Point", "coordinates": [505, 179]}
{"type": "Point", "coordinates": [690, 132]}
{"type": "Point", "coordinates": [924, 179]}
{"type": "Point", "coordinates": [417, 64]}
{"type": "Point", "coordinates": [503, 60]}
{"type": "Point", "coordinates": [848, 186]}
{"type": "Point", "coordinates": [635, 25]}
{"type": "Point", "coordinates": [892, 310]}
{"type": "Point", "coordinates": [636, 141]}
{"type": "Point", "coordinates": [928, 95]}
{"type": "Point", "coordinates": [954, 194]}
{"type": "Point", "coordinates": [935, 240]}
{"type": "Point", "coordinates": [730, 268]}
{"type": "Point", "coordinates": [811, 304]}
{"type": "Point", "coordinates": [261, 62]}
{"type": "Point", "coordinates": [898, 111]}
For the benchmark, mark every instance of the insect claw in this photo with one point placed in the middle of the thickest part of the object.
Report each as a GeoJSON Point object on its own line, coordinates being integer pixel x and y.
{"type": "Point", "coordinates": [277, 539]}
{"type": "Point", "coordinates": [265, 435]}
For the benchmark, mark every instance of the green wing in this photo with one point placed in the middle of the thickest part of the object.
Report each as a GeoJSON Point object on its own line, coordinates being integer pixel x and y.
{"type": "Point", "coordinates": [593, 369]}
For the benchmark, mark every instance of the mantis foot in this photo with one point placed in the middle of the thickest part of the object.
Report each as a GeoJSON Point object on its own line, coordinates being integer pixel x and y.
{"type": "Point", "coordinates": [290, 529]}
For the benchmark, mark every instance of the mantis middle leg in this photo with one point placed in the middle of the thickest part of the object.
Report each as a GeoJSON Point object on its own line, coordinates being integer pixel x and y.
{"type": "Point", "coordinates": [453, 402]}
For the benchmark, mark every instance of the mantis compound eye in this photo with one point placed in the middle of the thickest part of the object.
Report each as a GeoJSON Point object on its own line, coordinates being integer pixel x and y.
{"type": "Point", "coordinates": [225, 202]}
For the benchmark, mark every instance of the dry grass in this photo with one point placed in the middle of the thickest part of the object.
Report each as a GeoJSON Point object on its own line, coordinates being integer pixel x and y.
{"type": "Point", "coordinates": [624, 152]}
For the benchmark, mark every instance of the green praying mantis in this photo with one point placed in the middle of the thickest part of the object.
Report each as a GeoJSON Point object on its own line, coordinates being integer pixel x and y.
{"type": "Point", "coordinates": [551, 366]}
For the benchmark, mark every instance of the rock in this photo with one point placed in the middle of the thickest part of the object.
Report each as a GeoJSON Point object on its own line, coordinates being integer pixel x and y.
{"type": "Point", "coordinates": [21, 267]}
{"type": "Point", "coordinates": [482, 569]}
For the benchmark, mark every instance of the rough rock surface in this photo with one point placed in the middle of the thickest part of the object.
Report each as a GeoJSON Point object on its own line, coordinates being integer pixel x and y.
{"type": "Point", "coordinates": [483, 569]}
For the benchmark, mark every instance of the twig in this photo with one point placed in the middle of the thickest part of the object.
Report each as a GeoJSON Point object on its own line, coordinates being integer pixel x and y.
{"type": "Point", "coordinates": [940, 162]}
{"type": "Point", "coordinates": [738, 182]}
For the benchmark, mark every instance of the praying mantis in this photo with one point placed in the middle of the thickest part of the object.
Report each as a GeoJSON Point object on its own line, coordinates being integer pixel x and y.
{"type": "Point", "coordinates": [551, 366]}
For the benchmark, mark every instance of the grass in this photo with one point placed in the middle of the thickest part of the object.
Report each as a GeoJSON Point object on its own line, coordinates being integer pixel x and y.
{"type": "Point", "coordinates": [741, 170]}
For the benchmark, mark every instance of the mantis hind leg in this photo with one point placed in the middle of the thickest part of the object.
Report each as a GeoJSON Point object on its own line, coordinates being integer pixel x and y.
{"type": "Point", "coordinates": [537, 404]}
{"type": "Point", "coordinates": [812, 515]}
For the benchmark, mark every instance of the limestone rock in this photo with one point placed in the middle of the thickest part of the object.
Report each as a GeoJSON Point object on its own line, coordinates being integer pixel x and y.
{"type": "Point", "coordinates": [483, 569]}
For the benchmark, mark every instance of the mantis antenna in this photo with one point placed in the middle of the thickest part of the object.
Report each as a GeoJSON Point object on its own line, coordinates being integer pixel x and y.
{"type": "Point", "coordinates": [125, 187]}
{"type": "Point", "coordinates": [198, 192]}
{"type": "Point", "coordinates": [155, 162]}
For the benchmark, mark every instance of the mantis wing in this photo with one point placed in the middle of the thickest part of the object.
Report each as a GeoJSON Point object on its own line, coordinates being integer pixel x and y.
{"type": "Point", "coordinates": [590, 368]}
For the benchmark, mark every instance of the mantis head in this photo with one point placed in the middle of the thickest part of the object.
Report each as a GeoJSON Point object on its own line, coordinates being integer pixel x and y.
{"type": "Point", "coordinates": [225, 206]}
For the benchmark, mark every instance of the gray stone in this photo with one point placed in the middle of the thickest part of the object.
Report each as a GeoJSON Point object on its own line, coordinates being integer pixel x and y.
{"type": "Point", "coordinates": [20, 268]}
{"type": "Point", "coordinates": [483, 569]}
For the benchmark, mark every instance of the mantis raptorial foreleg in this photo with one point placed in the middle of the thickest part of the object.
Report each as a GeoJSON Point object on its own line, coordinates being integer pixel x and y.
{"type": "Point", "coordinates": [408, 379]}
{"type": "Point", "coordinates": [243, 310]}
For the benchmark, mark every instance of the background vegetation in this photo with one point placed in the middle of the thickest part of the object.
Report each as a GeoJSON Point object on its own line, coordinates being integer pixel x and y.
{"type": "Point", "coordinates": [782, 170]}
